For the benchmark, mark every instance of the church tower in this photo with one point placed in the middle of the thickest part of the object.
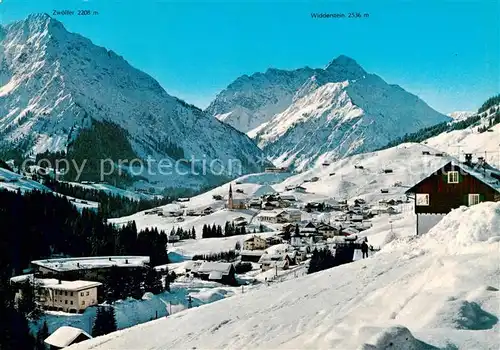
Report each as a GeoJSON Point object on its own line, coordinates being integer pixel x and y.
{"type": "Point", "coordinates": [230, 204]}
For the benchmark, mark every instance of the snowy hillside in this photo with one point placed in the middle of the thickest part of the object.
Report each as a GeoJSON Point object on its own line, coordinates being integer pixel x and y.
{"type": "Point", "coordinates": [344, 179]}
{"type": "Point", "coordinates": [470, 140]}
{"type": "Point", "coordinates": [460, 115]}
{"type": "Point", "coordinates": [54, 83]}
{"type": "Point", "coordinates": [437, 291]}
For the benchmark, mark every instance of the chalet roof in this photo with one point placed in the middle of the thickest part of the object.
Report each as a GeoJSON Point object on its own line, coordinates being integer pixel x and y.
{"type": "Point", "coordinates": [252, 252]}
{"type": "Point", "coordinates": [215, 267]}
{"type": "Point", "coordinates": [486, 174]}
{"type": "Point", "coordinates": [74, 286]}
{"type": "Point", "coordinates": [323, 226]}
{"type": "Point", "coordinates": [64, 336]}
{"type": "Point", "coordinates": [272, 213]}
{"type": "Point", "coordinates": [253, 238]}
{"type": "Point", "coordinates": [95, 262]}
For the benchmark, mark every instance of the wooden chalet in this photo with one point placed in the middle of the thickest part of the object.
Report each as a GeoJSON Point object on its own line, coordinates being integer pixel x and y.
{"type": "Point", "coordinates": [453, 185]}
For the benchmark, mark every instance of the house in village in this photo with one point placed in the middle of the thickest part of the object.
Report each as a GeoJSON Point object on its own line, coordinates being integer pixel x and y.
{"type": "Point", "coordinates": [251, 255]}
{"type": "Point", "coordinates": [272, 216]}
{"type": "Point", "coordinates": [275, 261]}
{"type": "Point", "coordinates": [255, 203]}
{"type": "Point", "coordinates": [268, 205]}
{"type": "Point", "coordinates": [287, 197]}
{"type": "Point", "coordinates": [451, 186]}
{"type": "Point", "coordinates": [207, 211]}
{"type": "Point", "coordinates": [58, 295]}
{"type": "Point", "coordinates": [216, 271]}
{"type": "Point", "coordinates": [240, 221]}
{"type": "Point", "coordinates": [66, 336]}
{"type": "Point", "coordinates": [254, 243]}
{"type": "Point", "coordinates": [300, 189]}
{"type": "Point", "coordinates": [327, 230]}
{"type": "Point", "coordinates": [273, 240]}
{"type": "Point", "coordinates": [94, 268]}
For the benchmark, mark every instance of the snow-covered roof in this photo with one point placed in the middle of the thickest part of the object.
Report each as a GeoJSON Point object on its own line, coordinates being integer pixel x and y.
{"type": "Point", "coordinates": [486, 174]}
{"type": "Point", "coordinates": [252, 252]}
{"type": "Point", "coordinates": [271, 213]}
{"type": "Point", "coordinates": [95, 262]}
{"type": "Point", "coordinates": [287, 197]}
{"type": "Point", "coordinates": [53, 283]}
{"type": "Point", "coordinates": [65, 335]}
{"type": "Point", "coordinates": [210, 267]}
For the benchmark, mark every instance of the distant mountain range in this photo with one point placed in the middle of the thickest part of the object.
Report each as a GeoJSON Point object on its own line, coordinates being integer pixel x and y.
{"type": "Point", "coordinates": [306, 116]}
{"type": "Point", "coordinates": [54, 84]}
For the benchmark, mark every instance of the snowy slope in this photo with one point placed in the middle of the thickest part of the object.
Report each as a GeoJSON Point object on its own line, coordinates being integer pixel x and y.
{"type": "Point", "coordinates": [436, 291]}
{"type": "Point", "coordinates": [53, 83]}
{"type": "Point", "coordinates": [459, 142]}
{"type": "Point", "coordinates": [342, 180]}
{"type": "Point", "coordinates": [12, 181]}
{"type": "Point", "coordinates": [460, 115]}
{"type": "Point", "coordinates": [114, 191]}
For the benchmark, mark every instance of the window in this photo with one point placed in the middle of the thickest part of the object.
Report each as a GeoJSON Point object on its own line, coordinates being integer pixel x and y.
{"type": "Point", "coordinates": [474, 199]}
{"type": "Point", "coordinates": [66, 293]}
{"type": "Point", "coordinates": [71, 293]}
{"type": "Point", "coordinates": [81, 294]}
{"type": "Point", "coordinates": [71, 302]}
{"type": "Point", "coordinates": [453, 177]}
{"type": "Point", "coordinates": [88, 293]}
{"type": "Point", "coordinates": [83, 303]}
{"type": "Point", "coordinates": [66, 301]}
{"type": "Point", "coordinates": [422, 199]}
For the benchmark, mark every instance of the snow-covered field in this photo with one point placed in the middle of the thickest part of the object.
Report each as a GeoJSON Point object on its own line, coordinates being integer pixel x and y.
{"type": "Point", "coordinates": [443, 287]}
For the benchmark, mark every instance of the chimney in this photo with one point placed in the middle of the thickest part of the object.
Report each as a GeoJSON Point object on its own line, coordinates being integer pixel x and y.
{"type": "Point", "coordinates": [59, 281]}
{"type": "Point", "coordinates": [109, 258]}
{"type": "Point", "coordinates": [126, 261]}
{"type": "Point", "coordinates": [77, 264]}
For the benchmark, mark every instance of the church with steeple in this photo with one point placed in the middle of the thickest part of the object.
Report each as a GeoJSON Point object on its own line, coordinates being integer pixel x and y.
{"type": "Point", "coordinates": [235, 203]}
{"type": "Point", "coordinates": [230, 202]}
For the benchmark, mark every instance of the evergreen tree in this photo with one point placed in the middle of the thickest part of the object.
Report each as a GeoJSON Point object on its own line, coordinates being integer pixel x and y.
{"type": "Point", "coordinates": [27, 304]}
{"type": "Point", "coordinates": [105, 321]}
{"type": "Point", "coordinates": [42, 334]}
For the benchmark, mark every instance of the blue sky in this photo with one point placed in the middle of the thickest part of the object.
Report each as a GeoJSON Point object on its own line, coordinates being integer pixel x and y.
{"type": "Point", "coordinates": [446, 52]}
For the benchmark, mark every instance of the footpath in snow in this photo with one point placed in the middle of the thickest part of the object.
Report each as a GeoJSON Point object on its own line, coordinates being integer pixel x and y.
{"type": "Point", "coordinates": [437, 291]}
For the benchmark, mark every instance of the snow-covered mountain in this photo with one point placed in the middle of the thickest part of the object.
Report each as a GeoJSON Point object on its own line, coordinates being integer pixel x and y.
{"type": "Point", "coordinates": [54, 83]}
{"type": "Point", "coordinates": [252, 100]}
{"type": "Point", "coordinates": [337, 111]}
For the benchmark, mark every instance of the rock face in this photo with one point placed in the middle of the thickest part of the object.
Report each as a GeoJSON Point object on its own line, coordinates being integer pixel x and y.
{"type": "Point", "coordinates": [54, 83]}
{"type": "Point", "coordinates": [335, 112]}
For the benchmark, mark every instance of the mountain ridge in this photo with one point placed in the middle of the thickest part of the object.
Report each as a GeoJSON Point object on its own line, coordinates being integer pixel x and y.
{"type": "Point", "coordinates": [387, 111]}
{"type": "Point", "coordinates": [55, 82]}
